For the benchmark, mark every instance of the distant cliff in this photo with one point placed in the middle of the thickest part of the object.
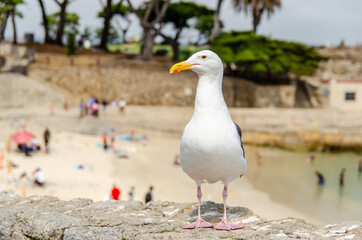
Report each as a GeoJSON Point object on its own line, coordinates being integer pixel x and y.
{"type": "Point", "coordinates": [42, 217]}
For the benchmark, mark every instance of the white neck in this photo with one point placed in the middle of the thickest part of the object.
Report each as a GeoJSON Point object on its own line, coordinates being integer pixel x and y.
{"type": "Point", "coordinates": [209, 97]}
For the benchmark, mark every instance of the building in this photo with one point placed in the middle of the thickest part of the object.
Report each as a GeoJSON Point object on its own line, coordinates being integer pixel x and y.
{"type": "Point", "coordinates": [346, 94]}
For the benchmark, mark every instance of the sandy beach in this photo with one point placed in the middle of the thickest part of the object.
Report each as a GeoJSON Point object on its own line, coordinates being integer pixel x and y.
{"type": "Point", "coordinates": [78, 141]}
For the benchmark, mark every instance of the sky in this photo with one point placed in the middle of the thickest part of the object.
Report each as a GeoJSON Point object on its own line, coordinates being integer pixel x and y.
{"type": "Point", "coordinates": [312, 22]}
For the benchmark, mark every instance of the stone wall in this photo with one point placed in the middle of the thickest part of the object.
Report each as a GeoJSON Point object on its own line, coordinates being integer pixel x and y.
{"type": "Point", "coordinates": [146, 83]}
{"type": "Point", "coordinates": [42, 217]}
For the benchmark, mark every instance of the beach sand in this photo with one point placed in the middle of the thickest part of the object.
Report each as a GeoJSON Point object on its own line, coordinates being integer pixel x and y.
{"type": "Point", "coordinates": [78, 141]}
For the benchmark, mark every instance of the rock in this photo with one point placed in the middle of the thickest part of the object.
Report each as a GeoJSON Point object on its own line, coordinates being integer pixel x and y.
{"type": "Point", "coordinates": [7, 220]}
{"type": "Point", "coordinates": [50, 218]}
{"type": "Point", "coordinates": [90, 233]}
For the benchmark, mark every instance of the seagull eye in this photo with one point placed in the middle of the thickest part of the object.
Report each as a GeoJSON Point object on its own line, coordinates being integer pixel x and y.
{"type": "Point", "coordinates": [203, 56]}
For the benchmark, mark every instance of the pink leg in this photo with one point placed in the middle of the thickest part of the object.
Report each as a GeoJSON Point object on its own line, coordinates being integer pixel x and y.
{"type": "Point", "coordinates": [225, 224]}
{"type": "Point", "coordinates": [199, 223]}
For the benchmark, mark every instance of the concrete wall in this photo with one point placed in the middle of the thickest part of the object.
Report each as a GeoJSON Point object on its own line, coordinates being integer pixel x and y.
{"type": "Point", "coordinates": [338, 89]}
{"type": "Point", "coordinates": [146, 83]}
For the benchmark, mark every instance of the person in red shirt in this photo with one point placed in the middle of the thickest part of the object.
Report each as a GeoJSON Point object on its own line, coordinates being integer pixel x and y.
{"type": "Point", "coordinates": [104, 136]}
{"type": "Point", "coordinates": [116, 192]}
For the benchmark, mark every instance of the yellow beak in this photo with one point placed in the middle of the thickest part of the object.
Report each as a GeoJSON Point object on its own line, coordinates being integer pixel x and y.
{"type": "Point", "coordinates": [178, 67]}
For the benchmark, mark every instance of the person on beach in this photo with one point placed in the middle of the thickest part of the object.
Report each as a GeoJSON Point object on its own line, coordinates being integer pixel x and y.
{"type": "Point", "coordinates": [177, 160]}
{"type": "Point", "coordinates": [82, 108]}
{"type": "Point", "coordinates": [320, 177]}
{"type": "Point", "coordinates": [95, 109]}
{"type": "Point", "coordinates": [112, 136]}
{"type": "Point", "coordinates": [106, 197]}
{"type": "Point", "coordinates": [122, 105]}
{"type": "Point", "coordinates": [132, 136]}
{"type": "Point", "coordinates": [116, 192]}
{"type": "Point", "coordinates": [341, 177]}
{"type": "Point", "coordinates": [104, 104]}
{"type": "Point", "coordinates": [66, 105]}
{"type": "Point", "coordinates": [38, 177]}
{"type": "Point", "coordinates": [46, 136]}
{"type": "Point", "coordinates": [34, 144]}
{"type": "Point", "coordinates": [114, 104]}
{"type": "Point", "coordinates": [310, 159]}
{"type": "Point", "coordinates": [51, 108]}
{"type": "Point", "coordinates": [131, 193]}
{"type": "Point", "coordinates": [149, 195]}
{"type": "Point", "coordinates": [25, 148]}
{"type": "Point", "coordinates": [105, 146]}
{"type": "Point", "coordinates": [144, 140]}
{"type": "Point", "coordinates": [259, 158]}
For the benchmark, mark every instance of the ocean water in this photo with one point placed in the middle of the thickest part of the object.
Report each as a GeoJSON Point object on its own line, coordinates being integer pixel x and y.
{"type": "Point", "coordinates": [289, 179]}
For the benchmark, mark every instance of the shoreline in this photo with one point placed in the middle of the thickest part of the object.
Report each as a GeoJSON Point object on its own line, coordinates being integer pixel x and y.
{"type": "Point", "coordinates": [321, 130]}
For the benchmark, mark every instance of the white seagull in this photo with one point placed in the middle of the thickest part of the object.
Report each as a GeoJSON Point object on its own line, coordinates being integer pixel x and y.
{"type": "Point", "coordinates": [211, 149]}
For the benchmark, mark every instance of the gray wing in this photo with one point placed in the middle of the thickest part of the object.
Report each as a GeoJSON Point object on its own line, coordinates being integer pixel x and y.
{"type": "Point", "coordinates": [241, 135]}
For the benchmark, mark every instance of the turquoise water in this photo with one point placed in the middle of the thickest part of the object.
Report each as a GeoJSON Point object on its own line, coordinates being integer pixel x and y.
{"type": "Point", "coordinates": [290, 180]}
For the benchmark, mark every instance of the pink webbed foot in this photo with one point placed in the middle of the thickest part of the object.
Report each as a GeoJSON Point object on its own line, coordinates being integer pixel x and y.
{"type": "Point", "coordinates": [199, 223]}
{"type": "Point", "coordinates": [227, 226]}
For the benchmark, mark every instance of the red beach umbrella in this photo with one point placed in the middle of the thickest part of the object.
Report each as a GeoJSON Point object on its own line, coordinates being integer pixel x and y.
{"type": "Point", "coordinates": [22, 137]}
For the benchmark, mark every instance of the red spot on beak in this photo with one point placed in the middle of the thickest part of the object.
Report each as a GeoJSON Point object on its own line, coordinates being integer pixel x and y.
{"type": "Point", "coordinates": [175, 71]}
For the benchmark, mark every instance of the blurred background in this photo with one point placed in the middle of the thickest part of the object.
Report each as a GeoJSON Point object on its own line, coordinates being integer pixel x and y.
{"type": "Point", "coordinates": [88, 107]}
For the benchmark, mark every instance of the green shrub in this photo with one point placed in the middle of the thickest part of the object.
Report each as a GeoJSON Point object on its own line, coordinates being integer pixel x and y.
{"type": "Point", "coordinates": [258, 57]}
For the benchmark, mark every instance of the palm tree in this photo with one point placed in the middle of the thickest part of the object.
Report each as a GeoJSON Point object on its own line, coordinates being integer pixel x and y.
{"type": "Point", "coordinates": [14, 13]}
{"type": "Point", "coordinates": [7, 9]}
{"type": "Point", "coordinates": [216, 30]}
{"type": "Point", "coordinates": [257, 8]}
{"type": "Point", "coordinates": [4, 15]}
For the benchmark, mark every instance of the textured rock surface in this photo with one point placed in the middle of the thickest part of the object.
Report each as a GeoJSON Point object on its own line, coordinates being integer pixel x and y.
{"type": "Point", "coordinates": [49, 218]}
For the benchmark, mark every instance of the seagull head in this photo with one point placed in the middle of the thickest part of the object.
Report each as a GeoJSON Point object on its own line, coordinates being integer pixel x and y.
{"type": "Point", "coordinates": [204, 62]}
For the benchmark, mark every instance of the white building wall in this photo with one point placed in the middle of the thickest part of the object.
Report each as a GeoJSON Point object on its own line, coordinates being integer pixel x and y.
{"type": "Point", "coordinates": [337, 95]}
